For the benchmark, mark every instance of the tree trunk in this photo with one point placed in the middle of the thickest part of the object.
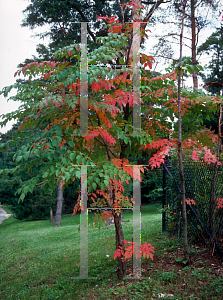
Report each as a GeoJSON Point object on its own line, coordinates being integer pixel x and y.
{"type": "Point", "coordinates": [184, 212]}
{"type": "Point", "coordinates": [121, 271]}
{"type": "Point", "coordinates": [51, 215]}
{"type": "Point", "coordinates": [111, 221]}
{"type": "Point", "coordinates": [59, 204]}
{"type": "Point", "coordinates": [193, 44]}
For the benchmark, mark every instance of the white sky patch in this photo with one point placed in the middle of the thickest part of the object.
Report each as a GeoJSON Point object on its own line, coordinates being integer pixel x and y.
{"type": "Point", "coordinates": [16, 45]}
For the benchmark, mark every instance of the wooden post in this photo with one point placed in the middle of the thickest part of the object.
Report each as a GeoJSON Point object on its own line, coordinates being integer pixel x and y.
{"type": "Point", "coordinates": [51, 215]}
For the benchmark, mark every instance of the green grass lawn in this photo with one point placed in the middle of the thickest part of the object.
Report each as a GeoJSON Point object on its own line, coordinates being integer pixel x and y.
{"type": "Point", "coordinates": [39, 261]}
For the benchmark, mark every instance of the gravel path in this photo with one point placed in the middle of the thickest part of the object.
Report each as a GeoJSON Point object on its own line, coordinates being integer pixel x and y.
{"type": "Point", "coordinates": [3, 215]}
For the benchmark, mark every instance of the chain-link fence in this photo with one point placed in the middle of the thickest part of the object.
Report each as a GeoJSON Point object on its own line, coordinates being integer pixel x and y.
{"type": "Point", "coordinates": [204, 185]}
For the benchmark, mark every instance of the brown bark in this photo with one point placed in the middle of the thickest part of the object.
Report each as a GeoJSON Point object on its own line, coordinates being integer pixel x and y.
{"type": "Point", "coordinates": [193, 43]}
{"type": "Point", "coordinates": [184, 212]}
{"type": "Point", "coordinates": [59, 204]}
{"type": "Point", "coordinates": [121, 270]}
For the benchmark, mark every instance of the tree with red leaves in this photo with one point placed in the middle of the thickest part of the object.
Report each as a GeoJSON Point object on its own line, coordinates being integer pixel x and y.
{"type": "Point", "coordinates": [52, 99]}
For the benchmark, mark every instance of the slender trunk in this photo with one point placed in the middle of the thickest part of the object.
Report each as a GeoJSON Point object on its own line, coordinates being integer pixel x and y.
{"type": "Point", "coordinates": [121, 271]}
{"type": "Point", "coordinates": [51, 215]}
{"type": "Point", "coordinates": [193, 46]}
{"type": "Point", "coordinates": [212, 196]}
{"type": "Point", "coordinates": [184, 212]}
{"type": "Point", "coordinates": [59, 204]}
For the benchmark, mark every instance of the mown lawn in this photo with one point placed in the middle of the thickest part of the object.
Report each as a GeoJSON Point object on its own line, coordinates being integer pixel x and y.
{"type": "Point", "coordinates": [39, 261]}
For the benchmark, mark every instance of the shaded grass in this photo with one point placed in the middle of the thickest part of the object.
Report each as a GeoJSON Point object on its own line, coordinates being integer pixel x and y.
{"type": "Point", "coordinates": [39, 261]}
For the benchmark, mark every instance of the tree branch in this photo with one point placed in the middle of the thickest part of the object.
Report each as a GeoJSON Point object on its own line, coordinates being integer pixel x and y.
{"type": "Point", "coordinates": [84, 18]}
{"type": "Point", "coordinates": [151, 11]}
{"type": "Point", "coordinates": [41, 182]}
{"type": "Point", "coordinates": [152, 2]}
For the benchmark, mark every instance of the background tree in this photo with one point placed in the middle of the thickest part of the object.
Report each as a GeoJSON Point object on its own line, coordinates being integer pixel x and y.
{"type": "Point", "coordinates": [179, 149]}
{"type": "Point", "coordinates": [214, 84]}
{"type": "Point", "coordinates": [62, 17]}
{"type": "Point", "coordinates": [38, 204]}
{"type": "Point", "coordinates": [196, 19]}
{"type": "Point", "coordinates": [35, 206]}
{"type": "Point", "coordinates": [214, 46]}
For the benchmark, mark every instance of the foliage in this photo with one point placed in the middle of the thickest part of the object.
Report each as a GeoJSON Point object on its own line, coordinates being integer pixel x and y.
{"type": "Point", "coordinates": [51, 101]}
{"type": "Point", "coordinates": [62, 130]}
{"type": "Point", "coordinates": [53, 88]}
{"type": "Point", "coordinates": [134, 249]}
{"type": "Point", "coordinates": [62, 20]}
{"type": "Point", "coordinates": [36, 205]}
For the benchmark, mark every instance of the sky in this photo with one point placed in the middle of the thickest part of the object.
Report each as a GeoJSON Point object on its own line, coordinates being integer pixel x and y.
{"type": "Point", "coordinates": [16, 44]}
